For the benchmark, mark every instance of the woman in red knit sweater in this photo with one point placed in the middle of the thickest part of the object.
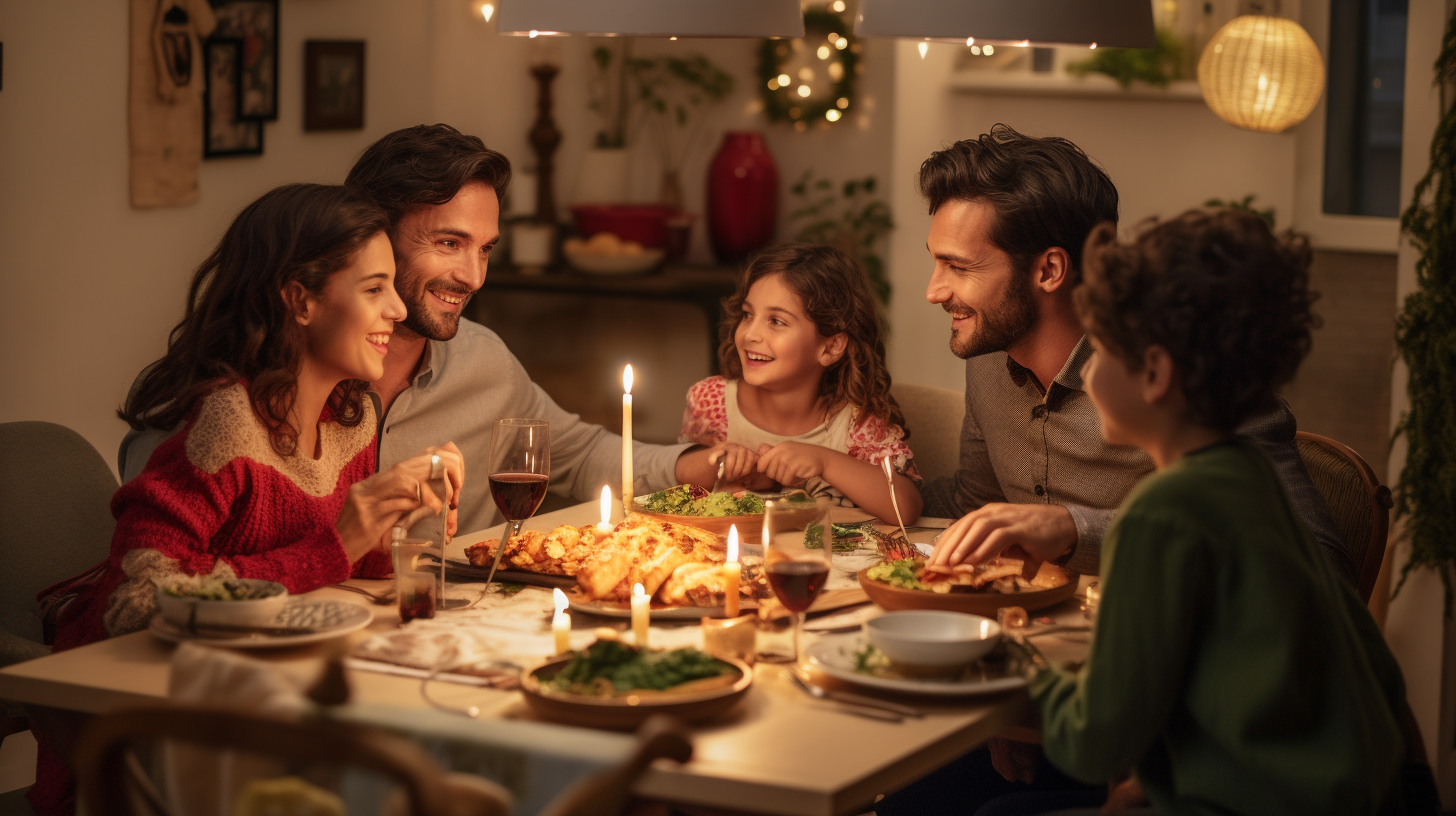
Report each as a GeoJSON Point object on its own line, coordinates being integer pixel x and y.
{"type": "Point", "coordinates": [272, 475]}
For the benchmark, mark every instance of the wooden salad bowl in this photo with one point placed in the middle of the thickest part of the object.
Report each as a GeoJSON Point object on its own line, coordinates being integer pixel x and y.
{"type": "Point", "coordinates": [890, 597]}
{"type": "Point", "coordinates": [626, 712]}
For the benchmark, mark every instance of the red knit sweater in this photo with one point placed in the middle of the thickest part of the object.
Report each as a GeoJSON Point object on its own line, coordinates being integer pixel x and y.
{"type": "Point", "coordinates": [216, 498]}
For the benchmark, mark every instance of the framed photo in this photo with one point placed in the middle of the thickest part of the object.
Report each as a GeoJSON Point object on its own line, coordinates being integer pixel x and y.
{"type": "Point", "coordinates": [255, 22]}
{"type": "Point", "coordinates": [333, 91]}
{"type": "Point", "coordinates": [223, 133]}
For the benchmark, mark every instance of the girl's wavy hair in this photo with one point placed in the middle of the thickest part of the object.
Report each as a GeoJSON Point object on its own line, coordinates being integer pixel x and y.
{"type": "Point", "coordinates": [237, 325]}
{"type": "Point", "coordinates": [837, 298]}
{"type": "Point", "coordinates": [1227, 298]}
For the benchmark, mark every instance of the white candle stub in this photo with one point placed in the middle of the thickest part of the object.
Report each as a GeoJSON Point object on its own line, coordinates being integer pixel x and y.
{"type": "Point", "coordinates": [639, 615]}
{"type": "Point", "coordinates": [731, 571]}
{"type": "Point", "coordinates": [627, 440]}
{"type": "Point", "coordinates": [605, 525]}
{"type": "Point", "coordinates": [561, 622]}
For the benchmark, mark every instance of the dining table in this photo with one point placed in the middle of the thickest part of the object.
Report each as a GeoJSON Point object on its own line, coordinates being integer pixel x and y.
{"type": "Point", "coordinates": [778, 751]}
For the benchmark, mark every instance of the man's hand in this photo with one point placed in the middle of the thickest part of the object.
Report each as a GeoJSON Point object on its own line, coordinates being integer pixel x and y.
{"type": "Point", "coordinates": [1035, 532]}
{"type": "Point", "coordinates": [1124, 795]}
{"type": "Point", "coordinates": [1015, 761]}
{"type": "Point", "coordinates": [791, 463]}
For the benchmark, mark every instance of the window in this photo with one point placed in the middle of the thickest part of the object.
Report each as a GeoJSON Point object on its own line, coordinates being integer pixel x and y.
{"type": "Point", "coordinates": [1364, 107]}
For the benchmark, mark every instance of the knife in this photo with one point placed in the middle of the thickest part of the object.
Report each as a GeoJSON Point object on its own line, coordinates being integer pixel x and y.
{"type": "Point", "coordinates": [871, 702]}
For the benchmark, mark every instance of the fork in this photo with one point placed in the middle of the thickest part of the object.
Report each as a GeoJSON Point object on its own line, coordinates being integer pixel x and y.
{"type": "Point", "coordinates": [382, 599]}
{"type": "Point", "coordinates": [854, 703]}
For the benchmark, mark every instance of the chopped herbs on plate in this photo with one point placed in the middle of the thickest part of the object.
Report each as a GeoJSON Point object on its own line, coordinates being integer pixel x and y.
{"type": "Point", "coordinates": [610, 667]}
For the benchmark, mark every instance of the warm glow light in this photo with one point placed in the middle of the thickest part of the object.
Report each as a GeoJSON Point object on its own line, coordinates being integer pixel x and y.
{"type": "Point", "coordinates": [606, 507]}
{"type": "Point", "coordinates": [487, 10]}
{"type": "Point", "coordinates": [559, 598]}
{"type": "Point", "coordinates": [970, 41]}
{"type": "Point", "coordinates": [841, 43]}
{"type": "Point", "coordinates": [733, 542]}
{"type": "Point", "coordinates": [673, 39]}
{"type": "Point", "coordinates": [804, 90]}
{"type": "Point", "coordinates": [924, 49]}
{"type": "Point", "coordinates": [784, 80]}
{"type": "Point", "coordinates": [838, 6]}
{"type": "Point", "coordinates": [976, 49]}
{"type": "Point", "coordinates": [1023, 44]}
{"type": "Point", "coordinates": [1261, 73]}
{"type": "Point", "coordinates": [833, 35]}
{"type": "Point", "coordinates": [842, 103]}
{"type": "Point", "coordinates": [773, 84]}
{"type": "Point", "coordinates": [534, 34]}
{"type": "Point", "coordinates": [1093, 46]}
{"type": "Point", "coordinates": [627, 379]}
{"type": "Point", "coordinates": [638, 591]}
{"type": "Point", "coordinates": [806, 74]}
{"type": "Point", "coordinates": [823, 52]}
{"type": "Point", "coordinates": [988, 50]}
{"type": "Point", "coordinates": [832, 115]}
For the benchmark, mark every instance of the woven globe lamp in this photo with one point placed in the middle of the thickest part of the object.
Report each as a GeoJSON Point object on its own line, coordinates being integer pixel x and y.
{"type": "Point", "coordinates": [1261, 73]}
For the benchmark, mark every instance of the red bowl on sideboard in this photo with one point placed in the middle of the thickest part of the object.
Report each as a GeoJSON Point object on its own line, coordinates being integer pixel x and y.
{"type": "Point", "coordinates": [644, 223]}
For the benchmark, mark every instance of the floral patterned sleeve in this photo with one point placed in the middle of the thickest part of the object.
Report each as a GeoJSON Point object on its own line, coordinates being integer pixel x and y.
{"type": "Point", "coordinates": [874, 439]}
{"type": "Point", "coordinates": [705, 419]}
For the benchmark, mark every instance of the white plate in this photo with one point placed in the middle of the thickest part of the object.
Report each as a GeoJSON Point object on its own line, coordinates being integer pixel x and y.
{"type": "Point", "coordinates": [834, 655]}
{"type": "Point", "coordinates": [329, 619]}
{"type": "Point", "coordinates": [623, 609]}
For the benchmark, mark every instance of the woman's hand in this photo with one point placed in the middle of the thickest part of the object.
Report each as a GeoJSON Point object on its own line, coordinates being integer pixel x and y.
{"type": "Point", "coordinates": [381, 501]}
{"type": "Point", "coordinates": [740, 461]}
{"type": "Point", "coordinates": [791, 463]}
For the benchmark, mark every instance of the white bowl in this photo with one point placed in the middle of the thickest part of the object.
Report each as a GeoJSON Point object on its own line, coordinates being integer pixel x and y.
{"type": "Point", "coordinates": [254, 612]}
{"type": "Point", "coordinates": [596, 264]}
{"type": "Point", "coordinates": [933, 639]}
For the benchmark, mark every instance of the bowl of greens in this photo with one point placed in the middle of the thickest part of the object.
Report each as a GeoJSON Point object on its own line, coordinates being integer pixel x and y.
{"type": "Point", "coordinates": [215, 600]}
{"type": "Point", "coordinates": [693, 506]}
{"type": "Point", "coordinates": [613, 685]}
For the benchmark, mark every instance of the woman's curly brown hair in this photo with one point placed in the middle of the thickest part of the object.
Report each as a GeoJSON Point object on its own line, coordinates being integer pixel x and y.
{"type": "Point", "coordinates": [237, 326]}
{"type": "Point", "coordinates": [837, 299]}
{"type": "Point", "coordinates": [1227, 299]}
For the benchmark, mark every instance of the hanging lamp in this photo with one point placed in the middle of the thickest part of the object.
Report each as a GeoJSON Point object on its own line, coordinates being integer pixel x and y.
{"type": "Point", "coordinates": [1261, 73]}
{"type": "Point", "coordinates": [652, 18]}
{"type": "Point", "coordinates": [1114, 23]}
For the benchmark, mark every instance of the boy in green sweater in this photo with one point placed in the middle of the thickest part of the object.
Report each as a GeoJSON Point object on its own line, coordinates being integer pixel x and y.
{"type": "Point", "coordinates": [1229, 666]}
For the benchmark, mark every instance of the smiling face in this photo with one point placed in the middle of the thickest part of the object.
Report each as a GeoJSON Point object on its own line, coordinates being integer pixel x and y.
{"type": "Point", "coordinates": [442, 251]}
{"type": "Point", "coordinates": [990, 302]}
{"type": "Point", "coordinates": [777, 342]}
{"type": "Point", "coordinates": [349, 323]}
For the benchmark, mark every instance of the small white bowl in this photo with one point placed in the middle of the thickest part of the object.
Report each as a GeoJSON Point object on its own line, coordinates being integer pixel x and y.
{"type": "Point", "coordinates": [254, 612]}
{"type": "Point", "coordinates": [932, 640]}
{"type": "Point", "coordinates": [595, 264]}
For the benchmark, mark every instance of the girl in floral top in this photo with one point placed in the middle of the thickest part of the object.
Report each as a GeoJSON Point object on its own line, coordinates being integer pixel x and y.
{"type": "Point", "coordinates": [805, 397]}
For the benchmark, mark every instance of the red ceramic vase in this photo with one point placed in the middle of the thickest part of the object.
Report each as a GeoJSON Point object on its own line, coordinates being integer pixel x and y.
{"type": "Point", "coordinates": [742, 197]}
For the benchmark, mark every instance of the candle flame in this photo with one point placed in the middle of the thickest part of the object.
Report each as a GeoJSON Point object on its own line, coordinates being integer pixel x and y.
{"type": "Point", "coordinates": [627, 379]}
{"type": "Point", "coordinates": [924, 49]}
{"type": "Point", "coordinates": [606, 505]}
{"type": "Point", "coordinates": [560, 599]}
{"type": "Point", "coordinates": [637, 591]}
{"type": "Point", "coordinates": [733, 542]}
{"type": "Point", "coordinates": [486, 10]}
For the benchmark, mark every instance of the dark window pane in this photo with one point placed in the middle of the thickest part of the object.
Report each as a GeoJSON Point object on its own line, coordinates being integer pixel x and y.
{"type": "Point", "coordinates": [1364, 104]}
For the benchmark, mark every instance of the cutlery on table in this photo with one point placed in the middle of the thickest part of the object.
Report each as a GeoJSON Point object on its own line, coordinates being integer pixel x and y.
{"type": "Point", "coordinates": [890, 478]}
{"type": "Point", "coordinates": [381, 598]}
{"type": "Point", "coordinates": [718, 480]}
{"type": "Point", "coordinates": [854, 703]}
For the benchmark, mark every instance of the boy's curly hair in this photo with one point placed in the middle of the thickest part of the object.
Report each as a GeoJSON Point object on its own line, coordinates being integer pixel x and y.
{"type": "Point", "coordinates": [837, 298]}
{"type": "Point", "coordinates": [1227, 299]}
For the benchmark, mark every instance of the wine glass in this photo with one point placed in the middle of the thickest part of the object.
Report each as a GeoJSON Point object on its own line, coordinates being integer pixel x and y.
{"type": "Point", "coordinates": [520, 468]}
{"type": "Point", "coordinates": [797, 552]}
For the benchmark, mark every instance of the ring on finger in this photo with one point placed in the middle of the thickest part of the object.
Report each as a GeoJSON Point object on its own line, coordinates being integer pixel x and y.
{"type": "Point", "coordinates": [437, 468]}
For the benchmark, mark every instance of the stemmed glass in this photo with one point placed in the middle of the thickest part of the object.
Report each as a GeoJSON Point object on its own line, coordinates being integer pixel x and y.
{"type": "Point", "coordinates": [798, 552]}
{"type": "Point", "coordinates": [520, 468]}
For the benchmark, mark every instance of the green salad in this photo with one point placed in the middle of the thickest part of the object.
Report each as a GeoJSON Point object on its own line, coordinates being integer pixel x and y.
{"type": "Point", "coordinates": [610, 667]}
{"type": "Point", "coordinates": [692, 500]}
{"type": "Point", "coordinates": [220, 588]}
{"type": "Point", "coordinates": [897, 573]}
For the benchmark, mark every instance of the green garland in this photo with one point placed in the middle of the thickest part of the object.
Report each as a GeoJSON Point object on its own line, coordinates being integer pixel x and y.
{"type": "Point", "coordinates": [1425, 333]}
{"type": "Point", "coordinates": [781, 103]}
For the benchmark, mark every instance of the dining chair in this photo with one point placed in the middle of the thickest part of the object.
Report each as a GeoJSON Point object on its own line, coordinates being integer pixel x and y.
{"type": "Point", "coordinates": [112, 779]}
{"type": "Point", "coordinates": [933, 416]}
{"type": "Point", "coordinates": [1359, 503]}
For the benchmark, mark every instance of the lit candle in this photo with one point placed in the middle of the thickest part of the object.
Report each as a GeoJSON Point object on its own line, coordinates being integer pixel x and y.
{"type": "Point", "coordinates": [561, 623]}
{"type": "Point", "coordinates": [730, 575]}
{"type": "Point", "coordinates": [627, 440]}
{"type": "Point", "coordinates": [605, 525]}
{"type": "Point", "coordinates": [639, 615]}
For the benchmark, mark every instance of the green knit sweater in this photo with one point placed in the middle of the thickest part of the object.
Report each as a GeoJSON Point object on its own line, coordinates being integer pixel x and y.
{"type": "Point", "coordinates": [1228, 664]}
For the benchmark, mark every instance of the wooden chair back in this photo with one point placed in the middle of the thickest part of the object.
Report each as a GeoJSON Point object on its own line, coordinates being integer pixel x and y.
{"type": "Point", "coordinates": [110, 783]}
{"type": "Point", "coordinates": [933, 416]}
{"type": "Point", "coordinates": [1359, 503]}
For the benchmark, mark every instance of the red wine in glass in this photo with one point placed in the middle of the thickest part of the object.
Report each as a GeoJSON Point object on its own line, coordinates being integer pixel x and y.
{"type": "Point", "coordinates": [797, 583]}
{"type": "Point", "coordinates": [518, 494]}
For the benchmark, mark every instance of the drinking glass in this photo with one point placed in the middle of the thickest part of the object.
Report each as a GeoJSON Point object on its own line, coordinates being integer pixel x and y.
{"type": "Point", "coordinates": [520, 468]}
{"type": "Point", "coordinates": [797, 552]}
{"type": "Point", "coordinates": [414, 587]}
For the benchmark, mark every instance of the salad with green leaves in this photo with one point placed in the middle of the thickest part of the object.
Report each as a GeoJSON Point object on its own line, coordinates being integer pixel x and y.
{"type": "Point", "coordinates": [693, 500]}
{"type": "Point", "coordinates": [610, 667]}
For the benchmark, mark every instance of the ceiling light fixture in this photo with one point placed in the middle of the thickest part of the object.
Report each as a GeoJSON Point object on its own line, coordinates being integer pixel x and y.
{"type": "Point", "coordinates": [1261, 73]}
{"type": "Point", "coordinates": [1117, 23]}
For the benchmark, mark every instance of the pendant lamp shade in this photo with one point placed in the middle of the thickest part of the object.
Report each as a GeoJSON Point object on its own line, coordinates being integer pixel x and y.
{"type": "Point", "coordinates": [1113, 23]}
{"type": "Point", "coordinates": [1261, 73]}
{"type": "Point", "coordinates": [653, 18]}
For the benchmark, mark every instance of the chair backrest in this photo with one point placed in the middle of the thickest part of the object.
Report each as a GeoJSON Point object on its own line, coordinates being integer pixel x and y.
{"type": "Point", "coordinates": [1359, 503]}
{"type": "Point", "coordinates": [111, 781]}
{"type": "Point", "coordinates": [55, 515]}
{"type": "Point", "coordinates": [933, 416]}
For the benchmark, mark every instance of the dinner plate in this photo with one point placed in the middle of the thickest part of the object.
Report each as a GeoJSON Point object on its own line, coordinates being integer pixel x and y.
{"type": "Point", "coordinates": [834, 655]}
{"type": "Point", "coordinates": [455, 569]}
{"type": "Point", "coordinates": [891, 597]}
{"type": "Point", "coordinates": [328, 619]}
{"type": "Point", "coordinates": [629, 711]}
{"type": "Point", "coordinates": [660, 611]}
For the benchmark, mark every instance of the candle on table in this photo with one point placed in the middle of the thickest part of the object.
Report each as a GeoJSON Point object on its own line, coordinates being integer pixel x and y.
{"type": "Point", "coordinates": [731, 572]}
{"type": "Point", "coordinates": [639, 615]}
{"type": "Point", "coordinates": [605, 525]}
{"type": "Point", "coordinates": [561, 623]}
{"type": "Point", "coordinates": [627, 440]}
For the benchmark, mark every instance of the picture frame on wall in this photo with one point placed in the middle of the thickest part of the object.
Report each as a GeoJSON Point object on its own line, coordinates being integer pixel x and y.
{"type": "Point", "coordinates": [223, 133]}
{"type": "Point", "coordinates": [255, 23]}
{"type": "Point", "coordinates": [333, 92]}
